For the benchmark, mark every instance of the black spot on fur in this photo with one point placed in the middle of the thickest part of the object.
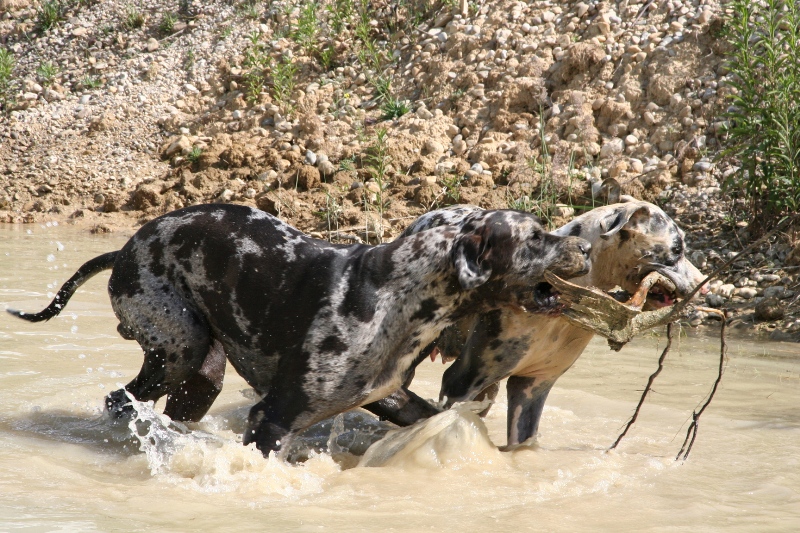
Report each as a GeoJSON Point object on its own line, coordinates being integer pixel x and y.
{"type": "Point", "coordinates": [576, 230]}
{"type": "Point", "coordinates": [427, 310]}
{"type": "Point", "coordinates": [333, 344]}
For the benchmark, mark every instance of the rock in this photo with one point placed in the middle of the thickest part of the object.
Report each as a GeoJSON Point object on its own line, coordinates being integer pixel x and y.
{"type": "Point", "coordinates": [326, 168]}
{"type": "Point", "coordinates": [714, 300]}
{"type": "Point", "coordinates": [704, 16]}
{"type": "Point", "coordinates": [778, 291]}
{"type": "Point", "coordinates": [311, 157]}
{"type": "Point", "coordinates": [180, 145]}
{"type": "Point", "coordinates": [725, 290]}
{"type": "Point", "coordinates": [424, 114]}
{"type": "Point", "coordinates": [432, 147]}
{"type": "Point", "coordinates": [563, 210]}
{"type": "Point", "coordinates": [747, 293]}
{"type": "Point", "coordinates": [308, 177]}
{"type": "Point", "coordinates": [146, 196]}
{"type": "Point", "coordinates": [548, 16]}
{"type": "Point", "coordinates": [612, 147]}
{"type": "Point", "coordinates": [769, 309]}
{"type": "Point", "coordinates": [152, 44]}
{"type": "Point", "coordinates": [225, 196]}
{"type": "Point", "coordinates": [703, 166]}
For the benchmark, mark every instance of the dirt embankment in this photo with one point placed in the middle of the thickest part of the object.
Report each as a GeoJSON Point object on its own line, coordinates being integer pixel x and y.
{"type": "Point", "coordinates": [117, 114]}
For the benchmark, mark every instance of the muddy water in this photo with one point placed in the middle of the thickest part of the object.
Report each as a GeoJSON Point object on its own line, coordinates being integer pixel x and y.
{"type": "Point", "coordinates": [63, 467]}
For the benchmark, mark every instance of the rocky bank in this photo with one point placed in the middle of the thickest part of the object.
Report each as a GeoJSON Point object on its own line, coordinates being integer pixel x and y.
{"type": "Point", "coordinates": [348, 119]}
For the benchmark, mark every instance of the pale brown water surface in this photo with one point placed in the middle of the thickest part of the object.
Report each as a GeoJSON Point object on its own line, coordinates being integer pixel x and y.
{"type": "Point", "coordinates": [64, 467]}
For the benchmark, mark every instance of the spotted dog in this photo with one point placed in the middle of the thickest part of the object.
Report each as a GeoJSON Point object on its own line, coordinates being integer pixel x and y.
{"type": "Point", "coordinates": [315, 328]}
{"type": "Point", "coordinates": [629, 240]}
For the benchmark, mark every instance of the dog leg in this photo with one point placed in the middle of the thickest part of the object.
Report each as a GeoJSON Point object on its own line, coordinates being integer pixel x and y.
{"type": "Point", "coordinates": [174, 337]}
{"type": "Point", "coordinates": [485, 360]}
{"type": "Point", "coordinates": [489, 393]}
{"type": "Point", "coordinates": [195, 396]}
{"type": "Point", "coordinates": [402, 407]}
{"type": "Point", "coordinates": [526, 397]}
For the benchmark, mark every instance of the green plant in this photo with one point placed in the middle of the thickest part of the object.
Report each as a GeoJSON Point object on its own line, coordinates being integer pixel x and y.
{"type": "Point", "coordinates": [307, 27]}
{"type": "Point", "coordinates": [376, 163]}
{"type": "Point", "coordinates": [7, 62]}
{"type": "Point", "coordinates": [133, 18]}
{"type": "Point", "coordinates": [167, 22]}
{"type": "Point", "coordinates": [452, 187]}
{"type": "Point", "coordinates": [226, 31]}
{"type": "Point", "coordinates": [91, 82]}
{"type": "Point", "coordinates": [49, 14]}
{"type": "Point", "coordinates": [331, 214]}
{"type": "Point", "coordinates": [47, 72]}
{"type": "Point", "coordinates": [189, 59]}
{"type": "Point", "coordinates": [393, 108]}
{"type": "Point", "coordinates": [250, 9]}
{"type": "Point", "coordinates": [326, 57]}
{"type": "Point", "coordinates": [194, 155]}
{"type": "Point", "coordinates": [283, 82]}
{"type": "Point", "coordinates": [383, 87]}
{"type": "Point", "coordinates": [347, 164]}
{"type": "Point", "coordinates": [522, 203]}
{"type": "Point", "coordinates": [256, 60]}
{"type": "Point", "coordinates": [764, 130]}
{"type": "Point", "coordinates": [341, 12]}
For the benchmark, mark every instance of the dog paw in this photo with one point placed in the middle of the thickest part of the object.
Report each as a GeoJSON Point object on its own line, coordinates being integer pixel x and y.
{"type": "Point", "coordinates": [119, 407]}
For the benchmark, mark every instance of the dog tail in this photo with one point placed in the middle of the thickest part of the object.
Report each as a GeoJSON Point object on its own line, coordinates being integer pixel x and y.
{"type": "Point", "coordinates": [86, 271]}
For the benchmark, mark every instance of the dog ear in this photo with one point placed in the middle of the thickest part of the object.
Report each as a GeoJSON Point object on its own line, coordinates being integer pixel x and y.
{"type": "Point", "coordinates": [621, 218]}
{"type": "Point", "coordinates": [469, 258]}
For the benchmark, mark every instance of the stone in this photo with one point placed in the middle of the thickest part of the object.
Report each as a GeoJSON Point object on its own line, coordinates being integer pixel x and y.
{"type": "Point", "coordinates": [769, 309]}
{"type": "Point", "coordinates": [703, 166]}
{"type": "Point", "coordinates": [778, 291]}
{"type": "Point", "coordinates": [747, 293]}
{"type": "Point", "coordinates": [704, 16]}
{"type": "Point", "coordinates": [612, 147]}
{"type": "Point", "coordinates": [714, 300]}
{"type": "Point", "coordinates": [308, 177]}
{"type": "Point", "coordinates": [432, 147]}
{"type": "Point", "coordinates": [311, 157]}
{"type": "Point", "coordinates": [725, 290]}
{"type": "Point", "coordinates": [326, 168]}
{"type": "Point", "coordinates": [152, 44]}
{"type": "Point", "coordinates": [181, 145]}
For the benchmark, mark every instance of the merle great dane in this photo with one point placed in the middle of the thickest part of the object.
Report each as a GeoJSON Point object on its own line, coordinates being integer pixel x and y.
{"type": "Point", "coordinates": [313, 327]}
{"type": "Point", "coordinates": [629, 240]}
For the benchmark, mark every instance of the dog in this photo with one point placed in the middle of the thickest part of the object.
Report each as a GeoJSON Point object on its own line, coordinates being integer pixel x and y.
{"type": "Point", "coordinates": [315, 328]}
{"type": "Point", "coordinates": [629, 240]}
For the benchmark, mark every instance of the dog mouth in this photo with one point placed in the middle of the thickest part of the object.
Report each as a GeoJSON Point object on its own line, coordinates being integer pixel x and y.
{"type": "Point", "coordinates": [543, 300]}
{"type": "Point", "coordinates": [655, 291]}
{"type": "Point", "coordinates": [661, 295]}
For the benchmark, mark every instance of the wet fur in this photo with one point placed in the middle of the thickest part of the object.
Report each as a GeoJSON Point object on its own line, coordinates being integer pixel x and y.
{"type": "Point", "coordinates": [315, 328]}
{"type": "Point", "coordinates": [629, 240]}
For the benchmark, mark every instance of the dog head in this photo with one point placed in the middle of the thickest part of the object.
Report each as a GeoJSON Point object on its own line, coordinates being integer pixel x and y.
{"type": "Point", "coordinates": [629, 240]}
{"type": "Point", "coordinates": [512, 250]}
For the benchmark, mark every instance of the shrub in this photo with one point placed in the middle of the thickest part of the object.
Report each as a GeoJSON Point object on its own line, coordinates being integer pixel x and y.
{"type": "Point", "coordinates": [764, 119]}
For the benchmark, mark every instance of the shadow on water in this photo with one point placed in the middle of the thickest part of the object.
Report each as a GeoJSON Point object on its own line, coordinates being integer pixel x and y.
{"type": "Point", "coordinates": [345, 437]}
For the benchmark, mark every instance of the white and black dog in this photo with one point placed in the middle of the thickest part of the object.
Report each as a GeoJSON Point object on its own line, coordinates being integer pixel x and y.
{"type": "Point", "coordinates": [313, 327]}
{"type": "Point", "coordinates": [629, 240]}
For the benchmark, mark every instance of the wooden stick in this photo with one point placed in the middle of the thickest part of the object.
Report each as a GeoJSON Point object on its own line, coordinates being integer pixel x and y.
{"type": "Point", "coordinates": [647, 387]}
{"type": "Point", "coordinates": [692, 431]}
